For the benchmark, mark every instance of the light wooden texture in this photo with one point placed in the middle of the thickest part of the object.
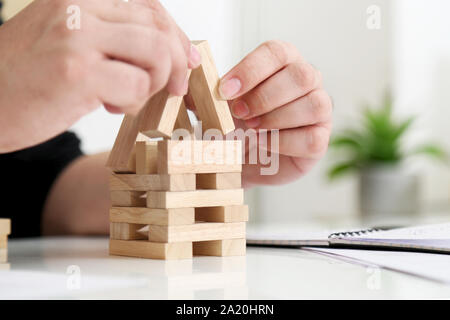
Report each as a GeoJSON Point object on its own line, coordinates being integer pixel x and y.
{"type": "Point", "coordinates": [176, 157]}
{"type": "Point", "coordinates": [146, 157]}
{"type": "Point", "coordinates": [122, 158]}
{"type": "Point", "coordinates": [128, 198]}
{"type": "Point", "coordinates": [160, 217]}
{"type": "Point", "coordinates": [196, 232]}
{"type": "Point", "coordinates": [3, 255]}
{"type": "Point", "coordinates": [126, 231]}
{"type": "Point", "coordinates": [133, 182]}
{"type": "Point", "coordinates": [220, 248]}
{"type": "Point", "coordinates": [222, 214]}
{"type": "Point", "coordinates": [5, 226]}
{"type": "Point", "coordinates": [151, 250]}
{"type": "Point", "coordinates": [203, 87]}
{"type": "Point", "coordinates": [219, 181]}
{"type": "Point", "coordinates": [195, 199]}
{"type": "Point", "coordinates": [183, 121]}
{"type": "Point", "coordinates": [4, 241]}
{"type": "Point", "coordinates": [162, 112]}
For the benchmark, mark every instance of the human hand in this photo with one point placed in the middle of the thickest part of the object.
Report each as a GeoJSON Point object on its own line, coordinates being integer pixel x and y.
{"type": "Point", "coordinates": [274, 88]}
{"type": "Point", "coordinates": [52, 75]}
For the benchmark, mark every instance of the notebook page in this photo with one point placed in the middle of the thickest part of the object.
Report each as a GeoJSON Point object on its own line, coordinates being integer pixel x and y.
{"type": "Point", "coordinates": [436, 231]}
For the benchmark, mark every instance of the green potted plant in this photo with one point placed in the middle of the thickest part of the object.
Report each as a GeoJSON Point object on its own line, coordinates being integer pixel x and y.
{"type": "Point", "coordinates": [376, 151]}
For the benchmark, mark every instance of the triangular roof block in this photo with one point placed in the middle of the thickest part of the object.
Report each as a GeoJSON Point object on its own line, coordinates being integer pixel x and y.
{"type": "Point", "coordinates": [164, 112]}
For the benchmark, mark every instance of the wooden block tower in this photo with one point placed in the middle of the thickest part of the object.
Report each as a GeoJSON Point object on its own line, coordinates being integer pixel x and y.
{"type": "Point", "coordinates": [172, 199]}
{"type": "Point", "coordinates": [5, 230]}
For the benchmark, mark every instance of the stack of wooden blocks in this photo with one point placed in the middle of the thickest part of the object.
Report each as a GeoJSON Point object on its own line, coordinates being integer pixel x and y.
{"type": "Point", "coordinates": [173, 199]}
{"type": "Point", "coordinates": [5, 230]}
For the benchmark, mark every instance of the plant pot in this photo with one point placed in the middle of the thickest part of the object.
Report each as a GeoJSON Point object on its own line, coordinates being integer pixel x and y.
{"type": "Point", "coordinates": [388, 193]}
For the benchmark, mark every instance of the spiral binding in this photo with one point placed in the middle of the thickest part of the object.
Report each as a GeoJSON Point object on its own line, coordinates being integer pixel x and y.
{"type": "Point", "coordinates": [351, 234]}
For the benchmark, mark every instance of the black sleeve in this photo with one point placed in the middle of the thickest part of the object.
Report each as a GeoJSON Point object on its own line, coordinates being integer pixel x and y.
{"type": "Point", "coordinates": [27, 177]}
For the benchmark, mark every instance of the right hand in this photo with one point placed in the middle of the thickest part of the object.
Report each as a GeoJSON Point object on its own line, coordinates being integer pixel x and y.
{"type": "Point", "coordinates": [51, 76]}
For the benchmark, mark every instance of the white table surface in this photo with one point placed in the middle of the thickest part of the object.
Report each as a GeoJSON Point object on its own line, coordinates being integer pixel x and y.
{"type": "Point", "coordinates": [74, 268]}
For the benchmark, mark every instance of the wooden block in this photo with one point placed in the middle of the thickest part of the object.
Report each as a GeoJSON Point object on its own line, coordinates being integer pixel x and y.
{"type": "Point", "coordinates": [219, 181]}
{"type": "Point", "coordinates": [155, 182]}
{"type": "Point", "coordinates": [196, 232]}
{"type": "Point", "coordinates": [146, 157]}
{"type": "Point", "coordinates": [3, 255]}
{"type": "Point", "coordinates": [183, 121]}
{"type": "Point", "coordinates": [126, 231]}
{"type": "Point", "coordinates": [122, 158]}
{"type": "Point", "coordinates": [203, 87]}
{"type": "Point", "coordinates": [151, 250]}
{"type": "Point", "coordinates": [194, 199]}
{"type": "Point", "coordinates": [161, 113]}
{"type": "Point", "coordinates": [220, 248]}
{"type": "Point", "coordinates": [5, 226]}
{"type": "Point", "coordinates": [4, 241]}
{"type": "Point", "coordinates": [128, 198]}
{"type": "Point", "coordinates": [195, 156]}
{"type": "Point", "coordinates": [222, 214]}
{"type": "Point", "coordinates": [160, 217]}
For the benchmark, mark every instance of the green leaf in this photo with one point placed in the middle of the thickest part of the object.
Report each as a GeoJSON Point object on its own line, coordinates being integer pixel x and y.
{"type": "Point", "coordinates": [339, 170]}
{"type": "Point", "coordinates": [431, 150]}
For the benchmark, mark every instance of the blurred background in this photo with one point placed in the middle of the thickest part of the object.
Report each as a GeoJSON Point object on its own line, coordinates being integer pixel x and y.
{"type": "Point", "coordinates": [362, 48]}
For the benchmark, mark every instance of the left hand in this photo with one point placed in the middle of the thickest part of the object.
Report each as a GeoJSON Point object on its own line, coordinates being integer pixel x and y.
{"type": "Point", "coordinates": [274, 88]}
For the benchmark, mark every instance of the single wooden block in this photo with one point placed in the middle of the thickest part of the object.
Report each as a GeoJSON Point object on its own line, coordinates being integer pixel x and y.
{"type": "Point", "coordinates": [219, 181]}
{"type": "Point", "coordinates": [4, 241]}
{"type": "Point", "coordinates": [5, 226]}
{"type": "Point", "coordinates": [151, 250]}
{"type": "Point", "coordinates": [128, 198]}
{"type": "Point", "coordinates": [196, 156]}
{"type": "Point", "coordinates": [196, 232]}
{"type": "Point", "coordinates": [122, 158]}
{"type": "Point", "coordinates": [161, 114]}
{"type": "Point", "coordinates": [222, 214]}
{"type": "Point", "coordinates": [154, 182]}
{"type": "Point", "coordinates": [213, 111]}
{"type": "Point", "coordinates": [195, 199]}
{"type": "Point", "coordinates": [183, 121]}
{"type": "Point", "coordinates": [146, 157]}
{"type": "Point", "coordinates": [160, 217]}
{"type": "Point", "coordinates": [220, 248]}
{"type": "Point", "coordinates": [3, 255]}
{"type": "Point", "coordinates": [126, 231]}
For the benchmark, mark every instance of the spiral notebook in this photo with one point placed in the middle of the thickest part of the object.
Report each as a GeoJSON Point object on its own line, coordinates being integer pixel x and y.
{"type": "Point", "coordinates": [430, 238]}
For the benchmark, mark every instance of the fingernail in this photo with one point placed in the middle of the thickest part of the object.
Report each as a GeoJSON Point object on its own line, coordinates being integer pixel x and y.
{"type": "Point", "coordinates": [195, 57]}
{"type": "Point", "coordinates": [230, 88]}
{"type": "Point", "coordinates": [240, 109]}
{"type": "Point", "coordinates": [253, 123]}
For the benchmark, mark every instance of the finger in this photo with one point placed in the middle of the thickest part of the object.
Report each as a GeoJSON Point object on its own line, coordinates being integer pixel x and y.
{"type": "Point", "coordinates": [258, 66]}
{"type": "Point", "coordinates": [315, 107]}
{"type": "Point", "coordinates": [306, 142]}
{"type": "Point", "coordinates": [119, 11]}
{"type": "Point", "coordinates": [120, 86]}
{"type": "Point", "coordinates": [150, 51]}
{"type": "Point", "coordinates": [289, 84]}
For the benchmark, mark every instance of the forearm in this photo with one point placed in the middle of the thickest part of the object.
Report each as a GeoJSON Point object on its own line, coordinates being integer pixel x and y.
{"type": "Point", "coordinates": [79, 201]}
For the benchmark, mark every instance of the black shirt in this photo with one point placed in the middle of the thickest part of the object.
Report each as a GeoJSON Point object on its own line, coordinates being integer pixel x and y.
{"type": "Point", "coordinates": [27, 177]}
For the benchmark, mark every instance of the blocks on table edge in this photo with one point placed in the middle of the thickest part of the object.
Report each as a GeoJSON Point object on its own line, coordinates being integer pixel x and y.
{"type": "Point", "coordinates": [151, 250]}
{"type": "Point", "coordinates": [126, 231]}
{"type": "Point", "coordinates": [5, 226]}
